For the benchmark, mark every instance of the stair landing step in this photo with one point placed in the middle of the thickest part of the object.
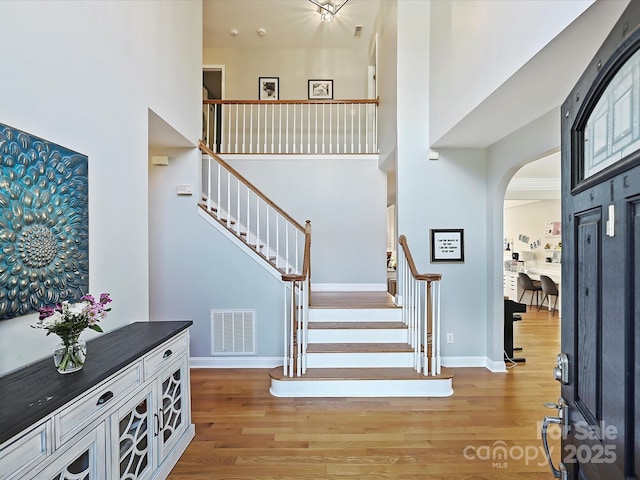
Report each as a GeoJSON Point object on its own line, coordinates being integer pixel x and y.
{"type": "Point", "coordinates": [361, 382]}
{"type": "Point", "coordinates": [361, 374]}
{"type": "Point", "coordinates": [356, 325]}
{"type": "Point", "coordinates": [358, 348]}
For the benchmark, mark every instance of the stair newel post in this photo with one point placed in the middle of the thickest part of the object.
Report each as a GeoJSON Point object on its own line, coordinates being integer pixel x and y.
{"type": "Point", "coordinates": [307, 257]}
{"type": "Point", "coordinates": [436, 330]}
{"type": "Point", "coordinates": [300, 333]}
{"type": "Point", "coordinates": [286, 367]}
{"type": "Point", "coordinates": [428, 354]}
{"type": "Point", "coordinates": [294, 321]}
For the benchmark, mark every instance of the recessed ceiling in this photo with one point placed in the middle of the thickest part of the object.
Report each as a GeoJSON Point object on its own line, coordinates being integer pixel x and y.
{"type": "Point", "coordinates": [287, 24]}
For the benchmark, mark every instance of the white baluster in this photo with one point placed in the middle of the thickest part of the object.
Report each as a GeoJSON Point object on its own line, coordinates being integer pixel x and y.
{"type": "Point", "coordinates": [235, 150]}
{"type": "Point", "coordinates": [352, 113]}
{"type": "Point", "coordinates": [238, 209]}
{"type": "Point", "coordinates": [280, 128]}
{"type": "Point", "coordinates": [214, 147]}
{"type": "Point", "coordinates": [309, 128]}
{"type": "Point", "coordinates": [258, 131]}
{"type": "Point", "coordinates": [266, 130]}
{"type": "Point", "coordinates": [228, 206]}
{"type": "Point", "coordinates": [315, 140]}
{"type": "Point", "coordinates": [330, 127]}
{"type": "Point", "coordinates": [267, 250]}
{"type": "Point", "coordinates": [286, 141]}
{"type": "Point", "coordinates": [273, 126]}
{"type": "Point", "coordinates": [209, 181]}
{"type": "Point", "coordinates": [244, 126]}
{"type": "Point", "coordinates": [248, 214]}
{"type": "Point", "coordinates": [257, 223]}
{"type": "Point", "coordinates": [345, 128]}
{"type": "Point", "coordinates": [323, 127]}
{"type": "Point", "coordinates": [229, 130]}
{"type": "Point", "coordinates": [251, 128]}
{"type": "Point", "coordinates": [219, 182]}
{"type": "Point", "coordinates": [278, 255]}
{"type": "Point", "coordinates": [359, 128]}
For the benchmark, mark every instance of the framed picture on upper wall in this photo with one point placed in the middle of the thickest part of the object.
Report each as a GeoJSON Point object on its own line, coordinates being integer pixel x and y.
{"type": "Point", "coordinates": [447, 245]}
{"type": "Point", "coordinates": [269, 88]}
{"type": "Point", "coordinates": [320, 89]}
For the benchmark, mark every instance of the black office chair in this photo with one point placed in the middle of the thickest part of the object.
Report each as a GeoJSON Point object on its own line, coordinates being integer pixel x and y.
{"type": "Point", "coordinates": [527, 284]}
{"type": "Point", "coordinates": [549, 287]}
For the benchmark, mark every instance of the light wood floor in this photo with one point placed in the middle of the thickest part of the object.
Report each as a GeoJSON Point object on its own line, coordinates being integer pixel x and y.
{"type": "Point", "coordinates": [242, 432]}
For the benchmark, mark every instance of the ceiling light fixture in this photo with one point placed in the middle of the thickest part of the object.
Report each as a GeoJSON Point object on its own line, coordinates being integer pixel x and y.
{"type": "Point", "coordinates": [328, 8]}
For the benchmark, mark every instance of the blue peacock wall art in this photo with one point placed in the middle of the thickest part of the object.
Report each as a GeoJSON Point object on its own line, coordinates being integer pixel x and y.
{"type": "Point", "coordinates": [44, 223]}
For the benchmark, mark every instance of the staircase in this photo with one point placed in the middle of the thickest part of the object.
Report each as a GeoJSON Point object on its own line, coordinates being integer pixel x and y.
{"type": "Point", "coordinates": [358, 346]}
{"type": "Point", "coordinates": [341, 344]}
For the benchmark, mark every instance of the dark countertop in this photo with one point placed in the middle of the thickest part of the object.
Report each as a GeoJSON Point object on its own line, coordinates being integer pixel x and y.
{"type": "Point", "coordinates": [31, 393]}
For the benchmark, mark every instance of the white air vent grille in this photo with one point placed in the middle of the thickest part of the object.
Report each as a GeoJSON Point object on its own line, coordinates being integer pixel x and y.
{"type": "Point", "coordinates": [233, 332]}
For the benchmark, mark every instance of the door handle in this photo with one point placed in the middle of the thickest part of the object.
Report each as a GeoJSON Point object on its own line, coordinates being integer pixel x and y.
{"type": "Point", "coordinates": [545, 442]}
{"type": "Point", "coordinates": [562, 421]}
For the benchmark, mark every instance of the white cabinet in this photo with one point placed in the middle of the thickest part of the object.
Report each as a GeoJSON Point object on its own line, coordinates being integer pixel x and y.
{"type": "Point", "coordinates": [510, 285]}
{"type": "Point", "coordinates": [133, 425]}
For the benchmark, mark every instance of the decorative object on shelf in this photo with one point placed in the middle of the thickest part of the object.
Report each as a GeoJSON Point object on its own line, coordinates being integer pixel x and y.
{"type": "Point", "coordinates": [68, 321]}
{"type": "Point", "coordinates": [44, 220]}
{"type": "Point", "coordinates": [320, 89]}
{"type": "Point", "coordinates": [269, 88]}
{"type": "Point", "coordinates": [328, 8]}
{"type": "Point", "coordinates": [552, 229]}
{"type": "Point", "coordinates": [447, 245]}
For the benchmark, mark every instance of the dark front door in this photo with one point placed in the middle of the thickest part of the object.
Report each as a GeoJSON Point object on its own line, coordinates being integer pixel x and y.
{"type": "Point", "coordinates": [600, 259]}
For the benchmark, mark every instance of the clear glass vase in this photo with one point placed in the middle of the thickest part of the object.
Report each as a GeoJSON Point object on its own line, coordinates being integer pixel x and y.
{"type": "Point", "coordinates": [69, 355]}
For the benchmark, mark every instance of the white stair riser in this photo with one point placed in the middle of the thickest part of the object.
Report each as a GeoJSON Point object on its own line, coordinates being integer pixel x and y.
{"type": "Point", "coordinates": [355, 314]}
{"type": "Point", "coordinates": [362, 388]}
{"type": "Point", "coordinates": [360, 360]}
{"type": "Point", "coordinates": [358, 335]}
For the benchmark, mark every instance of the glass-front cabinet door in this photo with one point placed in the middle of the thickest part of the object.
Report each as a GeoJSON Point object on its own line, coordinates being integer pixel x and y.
{"type": "Point", "coordinates": [132, 434]}
{"type": "Point", "coordinates": [173, 404]}
{"type": "Point", "coordinates": [84, 460]}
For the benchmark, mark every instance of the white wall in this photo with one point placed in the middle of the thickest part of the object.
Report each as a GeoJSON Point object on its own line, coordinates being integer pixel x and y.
{"type": "Point", "coordinates": [448, 193]}
{"type": "Point", "coordinates": [84, 75]}
{"type": "Point", "coordinates": [387, 82]}
{"type": "Point", "coordinates": [346, 203]}
{"type": "Point", "coordinates": [505, 158]}
{"type": "Point", "coordinates": [479, 44]}
{"type": "Point", "coordinates": [294, 67]}
{"type": "Point", "coordinates": [194, 268]}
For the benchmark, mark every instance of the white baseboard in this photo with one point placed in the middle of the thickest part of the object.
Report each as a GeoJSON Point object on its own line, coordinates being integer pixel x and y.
{"type": "Point", "coordinates": [235, 362]}
{"type": "Point", "coordinates": [348, 287]}
{"type": "Point", "coordinates": [466, 362]}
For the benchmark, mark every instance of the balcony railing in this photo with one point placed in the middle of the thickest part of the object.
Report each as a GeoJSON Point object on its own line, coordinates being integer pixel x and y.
{"type": "Point", "coordinates": [313, 127]}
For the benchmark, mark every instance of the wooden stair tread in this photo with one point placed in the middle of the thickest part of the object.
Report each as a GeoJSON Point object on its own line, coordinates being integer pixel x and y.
{"type": "Point", "coordinates": [388, 373]}
{"type": "Point", "coordinates": [356, 325]}
{"type": "Point", "coordinates": [352, 300]}
{"type": "Point", "coordinates": [359, 348]}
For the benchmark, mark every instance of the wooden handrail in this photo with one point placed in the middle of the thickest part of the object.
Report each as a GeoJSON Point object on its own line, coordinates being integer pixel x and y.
{"type": "Point", "coordinates": [250, 185]}
{"type": "Point", "coordinates": [429, 277]}
{"type": "Point", "coordinates": [364, 101]}
{"type": "Point", "coordinates": [306, 260]}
